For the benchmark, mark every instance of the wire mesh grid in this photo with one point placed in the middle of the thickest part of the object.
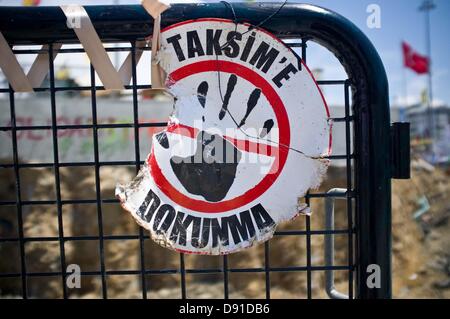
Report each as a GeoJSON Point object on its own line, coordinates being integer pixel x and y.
{"type": "Point", "coordinates": [225, 270]}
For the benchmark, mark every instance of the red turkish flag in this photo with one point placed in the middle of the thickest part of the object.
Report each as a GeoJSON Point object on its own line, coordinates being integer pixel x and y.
{"type": "Point", "coordinates": [413, 60]}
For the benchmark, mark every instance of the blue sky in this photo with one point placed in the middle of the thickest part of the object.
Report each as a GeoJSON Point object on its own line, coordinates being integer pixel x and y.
{"type": "Point", "coordinates": [400, 20]}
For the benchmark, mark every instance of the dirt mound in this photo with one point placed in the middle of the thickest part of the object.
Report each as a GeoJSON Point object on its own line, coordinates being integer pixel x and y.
{"type": "Point", "coordinates": [421, 254]}
{"type": "Point", "coordinates": [421, 250]}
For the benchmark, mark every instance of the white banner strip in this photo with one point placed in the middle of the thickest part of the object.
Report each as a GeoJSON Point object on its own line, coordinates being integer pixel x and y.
{"type": "Point", "coordinates": [158, 74]}
{"type": "Point", "coordinates": [12, 69]}
{"type": "Point", "coordinates": [39, 69]}
{"type": "Point", "coordinates": [126, 70]}
{"type": "Point", "coordinates": [89, 39]}
{"type": "Point", "coordinates": [155, 8]}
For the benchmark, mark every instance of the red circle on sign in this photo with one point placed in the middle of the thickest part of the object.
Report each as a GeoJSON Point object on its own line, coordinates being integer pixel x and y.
{"type": "Point", "coordinates": [284, 140]}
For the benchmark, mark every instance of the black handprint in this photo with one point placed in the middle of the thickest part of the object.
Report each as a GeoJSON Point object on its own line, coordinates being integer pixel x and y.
{"type": "Point", "coordinates": [208, 173]}
{"type": "Point", "coordinates": [211, 171]}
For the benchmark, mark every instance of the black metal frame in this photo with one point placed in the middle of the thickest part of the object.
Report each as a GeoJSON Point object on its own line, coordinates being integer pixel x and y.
{"type": "Point", "coordinates": [368, 165]}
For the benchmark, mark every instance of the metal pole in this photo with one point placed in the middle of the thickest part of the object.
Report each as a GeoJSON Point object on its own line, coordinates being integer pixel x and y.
{"type": "Point", "coordinates": [427, 6]}
{"type": "Point", "coordinates": [405, 86]}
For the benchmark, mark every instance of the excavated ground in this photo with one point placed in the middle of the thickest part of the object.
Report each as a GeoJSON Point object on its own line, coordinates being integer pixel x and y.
{"type": "Point", "coordinates": [421, 249]}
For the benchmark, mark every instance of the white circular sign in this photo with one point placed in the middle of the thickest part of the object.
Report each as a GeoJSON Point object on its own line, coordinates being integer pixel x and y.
{"type": "Point", "coordinates": [246, 140]}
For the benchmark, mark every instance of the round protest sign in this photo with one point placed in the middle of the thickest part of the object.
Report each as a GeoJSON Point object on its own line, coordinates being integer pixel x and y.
{"type": "Point", "coordinates": [246, 140]}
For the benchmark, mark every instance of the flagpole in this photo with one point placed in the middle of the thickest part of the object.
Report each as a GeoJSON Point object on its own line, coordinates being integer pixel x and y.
{"type": "Point", "coordinates": [427, 6]}
{"type": "Point", "coordinates": [405, 86]}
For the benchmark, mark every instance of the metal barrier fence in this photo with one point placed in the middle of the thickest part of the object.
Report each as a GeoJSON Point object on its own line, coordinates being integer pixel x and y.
{"type": "Point", "coordinates": [367, 125]}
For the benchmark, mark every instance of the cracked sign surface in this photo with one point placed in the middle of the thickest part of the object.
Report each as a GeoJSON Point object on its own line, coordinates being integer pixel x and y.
{"type": "Point", "coordinates": [246, 139]}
